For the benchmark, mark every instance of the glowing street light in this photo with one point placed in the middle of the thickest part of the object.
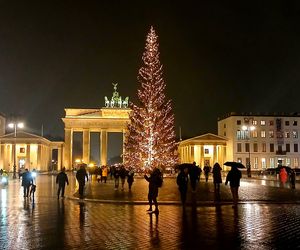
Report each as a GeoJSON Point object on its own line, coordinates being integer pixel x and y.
{"type": "Point", "coordinates": [14, 126]}
{"type": "Point", "coordinates": [249, 129]}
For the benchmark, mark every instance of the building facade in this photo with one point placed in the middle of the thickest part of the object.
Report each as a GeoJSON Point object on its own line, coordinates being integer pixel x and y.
{"type": "Point", "coordinates": [264, 141]}
{"type": "Point", "coordinates": [205, 149]}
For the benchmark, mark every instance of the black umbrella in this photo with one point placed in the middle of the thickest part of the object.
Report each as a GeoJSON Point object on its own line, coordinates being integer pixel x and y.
{"type": "Point", "coordinates": [184, 165]}
{"type": "Point", "coordinates": [288, 169]}
{"type": "Point", "coordinates": [234, 164]}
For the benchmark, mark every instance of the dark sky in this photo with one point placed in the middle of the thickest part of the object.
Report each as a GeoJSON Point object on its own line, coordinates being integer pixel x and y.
{"type": "Point", "coordinates": [218, 57]}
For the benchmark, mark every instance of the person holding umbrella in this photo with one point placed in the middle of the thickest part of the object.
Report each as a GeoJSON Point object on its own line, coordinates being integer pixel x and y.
{"type": "Point", "coordinates": [234, 176]}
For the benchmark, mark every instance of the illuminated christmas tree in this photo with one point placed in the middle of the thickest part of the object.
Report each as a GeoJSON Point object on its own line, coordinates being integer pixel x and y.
{"type": "Point", "coordinates": [150, 140]}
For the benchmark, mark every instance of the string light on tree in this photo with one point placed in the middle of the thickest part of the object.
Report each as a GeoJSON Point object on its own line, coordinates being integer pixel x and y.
{"type": "Point", "coordinates": [150, 140]}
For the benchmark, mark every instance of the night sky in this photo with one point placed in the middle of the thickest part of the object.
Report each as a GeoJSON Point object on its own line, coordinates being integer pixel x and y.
{"type": "Point", "coordinates": [218, 57]}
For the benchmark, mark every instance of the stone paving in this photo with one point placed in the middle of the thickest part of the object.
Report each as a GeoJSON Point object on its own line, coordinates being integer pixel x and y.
{"type": "Point", "coordinates": [270, 219]}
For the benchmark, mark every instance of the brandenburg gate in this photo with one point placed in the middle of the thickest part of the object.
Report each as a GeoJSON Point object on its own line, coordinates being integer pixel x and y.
{"type": "Point", "coordinates": [114, 117]}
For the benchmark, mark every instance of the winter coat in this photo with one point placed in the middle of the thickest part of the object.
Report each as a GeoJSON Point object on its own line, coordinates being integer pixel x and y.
{"type": "Point", "coordinates": [182, 181]}
{"type": "Point", "coordinates": [81, 175]}
{"type": "Point", "coordinates": [217, 174]}
{"type": "Point", "coordinates": [62, 179]}
{"type": "Point", "coordinates": [234, 176]}
{"type": "Point", "coordinates": [26, 179]}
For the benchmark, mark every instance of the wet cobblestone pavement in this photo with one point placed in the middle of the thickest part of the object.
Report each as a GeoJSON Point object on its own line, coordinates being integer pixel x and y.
{"type": "Point", "coordinates": [267, 218]}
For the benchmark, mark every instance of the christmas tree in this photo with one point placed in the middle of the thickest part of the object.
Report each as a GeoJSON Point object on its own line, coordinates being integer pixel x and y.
{"type": "Point", "coordinates": [150, 141]}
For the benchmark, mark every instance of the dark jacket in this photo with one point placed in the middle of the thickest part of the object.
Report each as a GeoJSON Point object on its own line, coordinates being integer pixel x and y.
{"type": "Point", "coordinates": [81, 175]}
{"type": "Point", "coordinates": [182, 180]}
{"type": "Point", "coordinates": [130, 176]}
{"type": "Point", "coordinates": [27, 179]}
{"type": "Point", "coordinates": [194, 173]}
{"type": "Point", "coordinates": [153, 180]}
{"type": "Point", "coordinates": [234, 176]}
{"type": "Point", "coordinates": [122, 173]}
{"type": "Point", "coordinates": [217, 174]}
{"type": "Point", "coordinates": [62, 179]}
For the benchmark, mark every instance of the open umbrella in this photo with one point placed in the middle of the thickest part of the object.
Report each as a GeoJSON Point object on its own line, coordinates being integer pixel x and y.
{"type": "Point", "coordinates": [234, 164]}
{"type": "Point", "coordinates": [288, 169]}
{"type": "Point", "coordinates": [184, 165]}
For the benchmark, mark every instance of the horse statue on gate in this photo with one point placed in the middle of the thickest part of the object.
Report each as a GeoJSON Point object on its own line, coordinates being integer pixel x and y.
{"type": "Point", "coordinates": [125, 102]}
{"type": "Point", "coordinates": [106, 102]}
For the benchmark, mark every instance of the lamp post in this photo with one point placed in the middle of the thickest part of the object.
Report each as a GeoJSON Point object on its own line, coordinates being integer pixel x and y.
{"type": "Point", "coordinates": [15, 125]}
{"type": "Point", "coordinates": [249, 129]}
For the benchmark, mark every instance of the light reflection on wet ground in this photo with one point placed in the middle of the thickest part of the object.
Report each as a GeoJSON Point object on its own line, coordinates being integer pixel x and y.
{"type": "Point", "coordinates": [48, 223]}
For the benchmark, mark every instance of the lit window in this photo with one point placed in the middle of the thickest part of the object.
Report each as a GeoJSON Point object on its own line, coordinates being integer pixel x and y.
{"type": "Point", "coordinates": [296, 162]}
{"type": "Point", "coordinates": [272, 163]}
{"type": "Point", "coordinates": [263, 162]}
{"type": "Point", "coordinates": [287, 134]}
{"type": "Point", "coordinates": [271, 134]}
{"type": "Point", "coordinates": [263, 134]}
{"type": "Point", "coordinates": [263, 123]}
{"type": "Point", "coordinates": [255, 162]}
{"type": "Point", "coordinates": [288, 161]}
{"type": "Point", "coordinates": [254, 133]}
{"type": "Point", "coordinates": [295, 134]}
{"type": "Point", "coordinates": [254, 122]}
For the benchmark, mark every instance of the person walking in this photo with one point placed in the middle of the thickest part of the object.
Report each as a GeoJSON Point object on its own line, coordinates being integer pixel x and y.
{"type": "Point", "coordinates": [80, 176]}
{"type": "Point", "coordinates": [123, 174]}
{"type": "Point", "coordinates": [116, 177]}
{"type": "Point", "coordinates": [155, 181]}
{"type": "Point", "coordinates": [27, 181]}
{"type": "Point", "coordinates": [61, 180]}
{"type": "Point", "coordinates": [104, 174]}
{"type": "Point", "coordinates": [283, 175]}
{"type": "Point", "coordinates": [234, 176]}
{"type": "Point", "coordinates": [182, 182]}
{"type": "Point", "coordinates": [217, 176]}
{"type": "Point", "coordinates": [206, 170]}
{"type": "Point", "coordinates": [130, 179]}
{"type": "Point", "coordinates": [194, 173]}
{"type": "Point", "coordinates": [293, 179]}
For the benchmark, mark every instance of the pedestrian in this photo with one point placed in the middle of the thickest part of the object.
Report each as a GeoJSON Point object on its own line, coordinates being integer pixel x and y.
{"type": "Point", "coordinates": [206, 170]}
{"type": "Point", "coordinates": [130, 179]}
{"type": "Point", "coordinates": [104, 173]}
{"type": "Point", "coordinates": [26, 182]}
{"type": "Point", "coordinates": [283, 175]}
{"type": "Point", "coordinates": [81, 175]}
{"type": "Point", "coordinates": [293, 179]}
{"type": "Point", "coordinates": [122, 174]}
{"type": "Point", "coordinates": [194, 176]}
{"type": "Point", "coordinates": [61, 180]}
{"type": "Point", "coordinates": [99, 174]}
{"type": "Point", "coordinates": [217, 176]}
{"type": "Point", "coordinates": [234, 176]}
{"type": "Point", "coordinates": [155, 181]}
{"type": "Point", "coordinates": [182, 182]}
{"type": "Point", "coordinates": [32, 190]}
{"type": "Point", "coordinates": [116, 177]}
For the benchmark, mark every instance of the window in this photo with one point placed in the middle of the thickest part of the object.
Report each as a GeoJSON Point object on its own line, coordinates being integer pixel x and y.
{"type": "Point", "coordinates": [296, 147]}
{"type": "Point", "coordinates": [239, 147]}
{"type": "Point", "coordinates": [224, 125]}
{"type": "Point", "coordinates": [287, 147]}
{"type": "Point", "coordinates": [294, 123]}
{"type": "Point", "coordinates": [263, 147]}
{"type": "Point", "coordinates": [263, 123]}
{"type": "Point", "coordinates": [238, 122]}
{"type": "Point", "coordinates": [263, 134]}
{"type": "Point", "coordinates": [255, 162]}
{"type": "Point", "coordinates": [272, 163]}
{"type": "Point", "coordinates": [263, 163]}
{"type": "Point", "coordinates": [224, 133]}
{"type": "Point", "coordinates": [271, 134]}
{"type": "Point", "coordinates": [255, 147]}
{"type": "Point", "coordinates": [254, 122]}
{"type": "Point", "coordinates": [287, 134]}
{"type": "Point", "coordinates": [22, 150]}
{"type": "Point", "coordinates": [271, 147]}
{"type": "Point", "coordinates": [296, 162]}
{"type": "Point", "coordinates": [271, 123]}
{"type": "Point", "coordinates": [287, 123]}
{"type": "Point", "coordinates": [247, 147]}
{"type": "Point", "coordinates": [239, 160]}
{"type": "Point", "coordinates": [288, 161]}
{"type": "Point", "coordinates": [295, 134]}
{"type": "Point", "coordinates": [254, 133]}
{"type": "Point", "coordinates": [279, 148]}
{"type": "Point", "coordinates": [206, 151]}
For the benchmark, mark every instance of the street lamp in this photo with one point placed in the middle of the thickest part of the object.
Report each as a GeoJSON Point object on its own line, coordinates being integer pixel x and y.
{"type": "Point", "coordinates": [15, 125]}
{"type": "Point", "coordinates": [249, 129]}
